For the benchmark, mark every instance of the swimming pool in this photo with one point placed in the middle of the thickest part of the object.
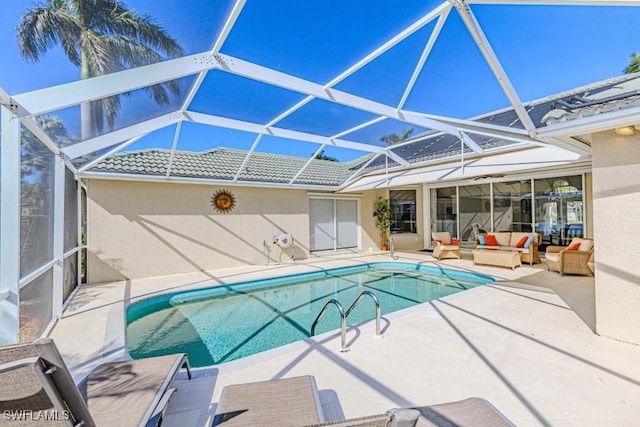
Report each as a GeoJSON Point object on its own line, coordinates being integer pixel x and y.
{"type": "Point", "coordinates": [224, 323]}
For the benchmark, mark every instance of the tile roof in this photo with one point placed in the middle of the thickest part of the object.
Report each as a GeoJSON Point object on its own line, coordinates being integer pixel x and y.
{"type": "Point", "coordinates": [223, 164]}
{"type": "Point", "coordinates": [602, 97]}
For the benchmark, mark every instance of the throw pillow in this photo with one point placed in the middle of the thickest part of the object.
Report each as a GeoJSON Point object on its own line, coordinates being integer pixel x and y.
{"type": "Point", "coordinates": [481, 240]}
{"type": "Point", "coordinates": [574, 246]}
{"type": "Point", "coordinates": [529, 241]}
{"type": "Point", "coordinates": [491, 240]}
{"type": "Point", "coordinates": [455, 242]}
{"type": "Point", "coordinates": [522, 241]}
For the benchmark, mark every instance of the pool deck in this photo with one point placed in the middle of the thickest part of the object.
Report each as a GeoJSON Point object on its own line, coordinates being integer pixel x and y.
{"type": "Point", "coordinates": [526, 343]}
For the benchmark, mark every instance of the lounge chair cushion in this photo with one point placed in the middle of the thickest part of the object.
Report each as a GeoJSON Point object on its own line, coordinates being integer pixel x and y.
{"type": "Point", "coordinates": [471, 412]}
{"type": "Point", "coordinates": [284, 402]}
{"type": "Point", "coordinates": [126, 393]}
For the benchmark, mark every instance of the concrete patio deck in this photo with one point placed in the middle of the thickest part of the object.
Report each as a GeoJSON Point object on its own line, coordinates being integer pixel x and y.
{"type": "Point", "coordinates": [525, 343]}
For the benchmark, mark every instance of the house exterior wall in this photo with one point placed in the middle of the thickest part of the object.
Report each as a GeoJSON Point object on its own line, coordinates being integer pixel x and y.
{"type": "Point", "coordinates": [616, 223]}
{"type": "Point", "coordinates": [143, 229]}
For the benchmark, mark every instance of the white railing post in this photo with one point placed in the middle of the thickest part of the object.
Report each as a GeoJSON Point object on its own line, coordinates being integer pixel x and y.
{"type": "Point", "coordinates": [9, 226]}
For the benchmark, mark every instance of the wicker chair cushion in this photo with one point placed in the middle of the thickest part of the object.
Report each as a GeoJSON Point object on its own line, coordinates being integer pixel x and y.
{"type": "Point", "coordinates": [585, 244]}
{"type": "Point", "coordinates": [443, 236]}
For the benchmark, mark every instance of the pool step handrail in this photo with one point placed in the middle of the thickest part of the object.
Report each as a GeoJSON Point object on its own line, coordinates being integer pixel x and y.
{"type": "Point", "coordinates": [375, 301]}
{"type": "Point", "coordinates": [343, 322]}
{"type": "Point", "coordinates": [343, 316]}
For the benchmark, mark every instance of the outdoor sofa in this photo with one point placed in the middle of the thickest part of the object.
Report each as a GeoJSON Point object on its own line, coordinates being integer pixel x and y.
{"type": "Point", "coordinates": [512, 241]}
{"type": "Point", "coordinates": [36, 386]}
{"type": "Point", "coordinates": [295, 402]}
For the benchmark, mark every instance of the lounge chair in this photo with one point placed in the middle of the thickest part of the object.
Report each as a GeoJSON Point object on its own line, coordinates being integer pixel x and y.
{"type": "Point", "coordinates": [444, 245]}
{"type": "Point", "coordinates": [295, 402]}
{"type": "Point", "coordinates": [571, 259]}
{"type": "Point", "coordinates": [36, 385]}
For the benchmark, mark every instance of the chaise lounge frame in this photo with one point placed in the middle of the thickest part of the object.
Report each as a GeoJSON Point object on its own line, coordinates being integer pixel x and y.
{"type": "Point", "coordinates": [35, 383]}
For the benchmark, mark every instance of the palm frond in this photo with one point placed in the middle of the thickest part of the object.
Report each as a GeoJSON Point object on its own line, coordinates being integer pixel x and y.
{"type": "Point", "coordinates": [42, 28]}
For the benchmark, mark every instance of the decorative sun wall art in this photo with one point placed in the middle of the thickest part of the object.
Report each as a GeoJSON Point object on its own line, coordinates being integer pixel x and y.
{"type": "Point", "coordinates": [223, 201]}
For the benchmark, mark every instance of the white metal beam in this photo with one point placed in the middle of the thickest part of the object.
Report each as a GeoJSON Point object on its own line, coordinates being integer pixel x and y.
{"type": "Point", "coordinates": [286, 81]}
{"type": "Point", "coordinates": [360, 126]}
{"type": "Point", "coordinates": [487, 129]}
{"type": "Point", "coordinates": [423, 58]}
{"type": "Point", "coordinates": [66, 95]}
{"type": "Point", "coordinates": [222, 37]}
{"type": "Point", "coordinates": [420, 23]}
{"type": "Point", "coordinates": [58, 235]}
{"type": "Point", "coordinates": [291, 110]}
{"type": "Point", "coordinates": [246, 158]}
{"type": "Point", "coordinates": [279, 132]}
{"type": "Point", "coordinates": [308, 163]}
{"type": "Point", "coordinates": [228, 25]}
{"type": "Point", "coordinates": [109, 139]}
{"type": "Point", "coordinates": [494, 63]}
{"type": "Point", "coordinates": [9, 225]}
{"type": "Point", "coordinates": [174, 146]}
{"type": "Point", "coordinates": [110, 152]}
{"type": "Point", "coordinates": [360, 169]}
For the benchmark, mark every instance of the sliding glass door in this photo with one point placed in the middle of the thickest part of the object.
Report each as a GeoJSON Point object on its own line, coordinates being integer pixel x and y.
{"type": "Point", "coordinates": [553, 207]}
{"type": "Point", "coordinates": [333, 224]}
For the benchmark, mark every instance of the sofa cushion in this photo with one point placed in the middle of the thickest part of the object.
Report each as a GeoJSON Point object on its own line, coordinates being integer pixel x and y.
{"type": "Point", "coordinates": [504, 238]}
{"type": "Point", "coordinates": [491, 240]}
{"type": "Point", "coordinates": [516, 236]}
{"type": "Point", "coordinates": [529, 241]}
{"type": "Point", "coordinates": [522, 241]}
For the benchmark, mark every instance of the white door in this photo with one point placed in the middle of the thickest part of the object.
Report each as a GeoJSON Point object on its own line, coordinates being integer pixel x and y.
{"type": "Point", "coordinates": [333, 224]}
{"type": "Point", "coordinates": [321, 224]}
{"type": "Point", "coordinates": [347, 224]}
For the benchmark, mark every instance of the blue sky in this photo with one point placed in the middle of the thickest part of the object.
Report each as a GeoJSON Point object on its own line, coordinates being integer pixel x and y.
{"type": "Point", "coordinates": [544, 49]}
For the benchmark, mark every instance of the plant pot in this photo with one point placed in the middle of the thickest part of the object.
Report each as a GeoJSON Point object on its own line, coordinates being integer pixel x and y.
{"type": "Point", "coordinates": [384, 247]}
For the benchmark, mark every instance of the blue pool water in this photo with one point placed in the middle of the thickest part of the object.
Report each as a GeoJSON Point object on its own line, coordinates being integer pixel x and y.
{"type": "Point", "coordinates": [224, 323]}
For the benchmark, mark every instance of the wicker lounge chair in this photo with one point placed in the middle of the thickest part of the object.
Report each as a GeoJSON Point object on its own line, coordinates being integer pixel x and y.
{"type": "Point", "coordinates": [36, 385]}
{"type": "Point", "coordinates": [294, 402]}
{"type": "Point", "coordinates": [566, 261]}
{"type": "Point", "coordinates": [444, 245]}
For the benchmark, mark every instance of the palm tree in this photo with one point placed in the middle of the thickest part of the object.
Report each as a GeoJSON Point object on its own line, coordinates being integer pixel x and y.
{"type": "Point", "coordinates": [634, 64]}
{"type": "Point", "coordinates": [100, 37]}
{"type": "Point", "coordinates": [392, 138]}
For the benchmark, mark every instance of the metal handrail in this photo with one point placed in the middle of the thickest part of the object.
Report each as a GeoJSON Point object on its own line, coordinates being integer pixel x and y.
{"type": "Point", "coordinates": [376, 302]}
{"type": "Point", "coordinates": [343, 323]}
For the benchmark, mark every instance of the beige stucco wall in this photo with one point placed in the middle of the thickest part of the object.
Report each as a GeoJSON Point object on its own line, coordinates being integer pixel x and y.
{"type": "Point", "coordinates": [616, 223]}
{"type": "Point", "coordinates": [142, 229]}
{"type": "Point", "coordinates": [371, 235]}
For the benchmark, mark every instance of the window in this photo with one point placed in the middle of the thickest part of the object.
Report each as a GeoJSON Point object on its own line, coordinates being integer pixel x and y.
{"type": "Point", "coordinates": [403, 211]}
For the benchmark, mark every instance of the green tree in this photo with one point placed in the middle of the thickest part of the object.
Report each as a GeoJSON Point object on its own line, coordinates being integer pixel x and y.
{"type": "Point", "coordinates": [100, 37]}
{"type": "Point", "coordinates": [393, 138]}
{"type": "Point", "coordinates": [634, 64]}
{"type": "Point", "coordinates": [322, 156]}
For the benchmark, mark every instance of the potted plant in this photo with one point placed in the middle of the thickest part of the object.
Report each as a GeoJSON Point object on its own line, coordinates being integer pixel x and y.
{"type": "Point", "coordinates": [382, 214]}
